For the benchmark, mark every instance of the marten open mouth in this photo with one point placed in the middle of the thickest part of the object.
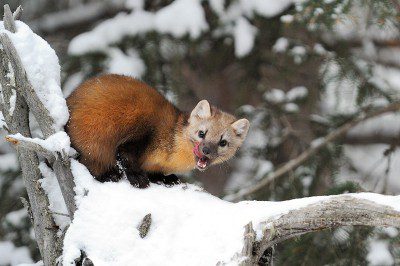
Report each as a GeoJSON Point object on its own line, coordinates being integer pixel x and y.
{"type": "Point", "coordinates": [202, 161]}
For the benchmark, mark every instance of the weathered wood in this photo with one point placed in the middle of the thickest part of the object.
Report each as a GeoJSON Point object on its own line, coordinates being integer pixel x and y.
{"type": "Point", "coordinates": [343, 210]}
{"type": "Point", "coordinates": [31, 146]}
{"type": "Point", "coordinates": [144, 226]}
{"type": "Point", "coordinates": [248, 247]}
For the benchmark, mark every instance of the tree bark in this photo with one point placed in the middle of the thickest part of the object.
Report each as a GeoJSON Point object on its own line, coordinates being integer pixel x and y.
{"type": "Point", "coordinates": [336, 211]}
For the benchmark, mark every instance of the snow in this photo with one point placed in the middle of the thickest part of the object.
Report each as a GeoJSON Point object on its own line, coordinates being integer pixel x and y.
{"type": "Point", "coordinates": [280, 45]}
{"type": "Point", "coordinates": [15, 217]}
{"type": "Point", "coordinates": [297, 93]}
{"type": "Point", "coordinates": [379, 253]}
{"type": "Point", "coordinates": [43, 71]}
{"type": "Point", "coordinates": [265, 8]}
{"type": "Point", "coordinates": [8, 161]}
{"type": "Point", "coordinates": [58, 142]}
{"type": "Point", "coordinates": [56, 201]}
{"type": "Point", "coordinates": [13, 100]}
{"type": "Point", "coordinates": [129, 64]}
{"type": "Point", "coordinates": [180, 18]}
{"type": "Point", "coordinates": [244, 34]}
{"type": "Point", "coordinates": [11, 255]}
{"type": "Point", "coordinates": [189, 226]}
{"type": "Point", "coordinates": [287, 18]}
{"type": "Point", "coordinates": [191, 19]}
{"type": "Point", "coordinates": [275, 96]}
{"type": "Point", "coordinates": [72, 83]}
{"type": "Point", "coordinates": [291, 108]}
{"type": "Point", "coordinates": [112, 31]}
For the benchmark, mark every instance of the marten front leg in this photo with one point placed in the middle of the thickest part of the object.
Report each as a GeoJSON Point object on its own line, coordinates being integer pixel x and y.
{"type": "Point", "coordinates": [167, 180]}
{"type": "Point", "coordinates": [128, 166]}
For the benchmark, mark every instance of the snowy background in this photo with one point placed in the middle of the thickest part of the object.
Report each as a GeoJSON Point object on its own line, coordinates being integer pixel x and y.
{"type": "Point", "coordinates": [296, 69]}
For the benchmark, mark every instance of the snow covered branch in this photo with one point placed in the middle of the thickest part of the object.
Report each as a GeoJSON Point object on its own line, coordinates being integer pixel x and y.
{"type": "Point", "coordinates": [16, 115]}
{"type": "Point", "coordinates": [312, 150]}
{"type": "Point", "coordinates": [22, 92]}
{"type": "Point", "coordinates": [47, 123]}
{"type": "Point", "coordinates": [343, 210]}
{"type": "Point", "coordinates": [78, 15]}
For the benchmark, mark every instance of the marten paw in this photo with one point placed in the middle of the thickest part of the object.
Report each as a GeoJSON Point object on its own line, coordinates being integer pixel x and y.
{"type": "Point", "coordinates": [138, 180]}
{"type": "Point", "coordinates": [168, 181]}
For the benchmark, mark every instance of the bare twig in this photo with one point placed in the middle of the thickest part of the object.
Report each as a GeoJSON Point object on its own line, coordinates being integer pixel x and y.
{"type": "Point", "coordinates": [304, 156]}
{"type": "Point", "coordinates": [32, 146]}
{"type": "Point", "coordinates": [17, 13]}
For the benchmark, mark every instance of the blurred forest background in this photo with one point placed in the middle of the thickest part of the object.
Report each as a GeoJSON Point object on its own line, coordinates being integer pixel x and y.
{"type": "Point", "coordinates": [297, 69]}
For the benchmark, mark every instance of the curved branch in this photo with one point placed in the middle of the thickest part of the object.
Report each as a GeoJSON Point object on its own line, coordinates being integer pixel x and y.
{"type": "Point", "coordinates": [312, 150]}
{"type": "Point", "coordinates": [343, 210]}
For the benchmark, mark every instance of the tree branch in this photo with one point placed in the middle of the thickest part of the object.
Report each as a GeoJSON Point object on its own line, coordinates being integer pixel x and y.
{"type": "Point", "coordinates": [79, 15]}
{"type": "Point", "coordinates": [343, 210]}
{"type": "Point", "coordinates": [312, 150]}
{"type": "Point", "coordinates": [31, 146]}
{"type": "Point", "coordinates": [43, 224]}
{"type": "Point", "coordinates": [45, 121]}
{"type": "Point", "coordinates": [374, 138]}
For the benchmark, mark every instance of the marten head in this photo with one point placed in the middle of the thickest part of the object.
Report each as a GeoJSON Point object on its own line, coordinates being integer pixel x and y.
{"type": "Point", "coordinates": [216, 135]}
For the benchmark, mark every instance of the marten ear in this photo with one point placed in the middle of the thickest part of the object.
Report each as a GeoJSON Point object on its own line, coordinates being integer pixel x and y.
{"type": "Point", "coordinates": [241, 127]}
{"type": "Point", "coordinates": [202, 110]}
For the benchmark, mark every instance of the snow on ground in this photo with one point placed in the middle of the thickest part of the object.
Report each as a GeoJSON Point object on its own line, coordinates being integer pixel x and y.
{"type": "Point", "coordinates": [43, 70]}
{"type": "Point", "coordinates": [189, 226]}
{"type": "Point", "coordinates": [11, 255]}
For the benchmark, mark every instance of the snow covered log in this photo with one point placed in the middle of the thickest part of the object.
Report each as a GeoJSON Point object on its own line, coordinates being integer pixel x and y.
{"type": "Point", "coordinates": [191, 227]}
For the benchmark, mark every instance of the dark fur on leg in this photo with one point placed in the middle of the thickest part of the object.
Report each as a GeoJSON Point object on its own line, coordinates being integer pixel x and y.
{"type": "Point", "coordinates": [169, 180]}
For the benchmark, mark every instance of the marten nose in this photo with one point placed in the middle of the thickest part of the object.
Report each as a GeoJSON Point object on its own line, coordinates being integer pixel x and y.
{"type": "Point", "coordinates": [206, 150]}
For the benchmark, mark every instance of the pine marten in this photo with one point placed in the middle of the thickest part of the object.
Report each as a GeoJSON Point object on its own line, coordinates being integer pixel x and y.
{"type": "Point", "coordinates": [123, 127]}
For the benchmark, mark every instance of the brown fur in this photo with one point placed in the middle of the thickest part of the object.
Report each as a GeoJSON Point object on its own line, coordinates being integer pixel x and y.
{"type": "Point", "coordinates": [115, 118]}
{"type": "Point", "coordinates": [111, 110]}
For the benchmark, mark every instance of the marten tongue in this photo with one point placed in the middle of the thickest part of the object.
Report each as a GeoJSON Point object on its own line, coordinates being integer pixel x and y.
{"type": "Point", "coordinates": [196, 150]}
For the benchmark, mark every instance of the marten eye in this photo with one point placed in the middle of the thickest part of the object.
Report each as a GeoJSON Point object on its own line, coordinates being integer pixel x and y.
{"type": "Point", "coordinates": [223, 143]}
{"type": "Point", "coordinates": [202, 134]}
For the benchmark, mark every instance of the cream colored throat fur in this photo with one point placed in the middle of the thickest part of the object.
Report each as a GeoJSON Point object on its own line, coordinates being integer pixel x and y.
{"type": "Point", "coordinates": [180, 160]}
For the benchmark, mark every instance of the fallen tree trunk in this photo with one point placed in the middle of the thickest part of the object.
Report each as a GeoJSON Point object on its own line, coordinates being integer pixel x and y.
{"type": "Point", "coordinates": [337, 211]}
